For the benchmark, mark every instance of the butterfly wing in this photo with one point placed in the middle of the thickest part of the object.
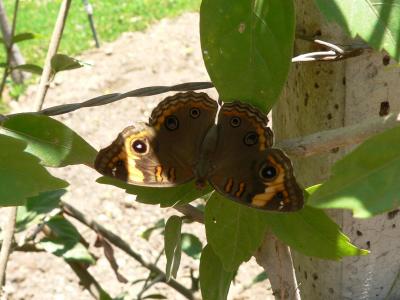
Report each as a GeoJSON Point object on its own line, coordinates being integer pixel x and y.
{"type": "Point", "coordinates": [246, 168]}
{"type": "Point", "coordinates": [163, 152]}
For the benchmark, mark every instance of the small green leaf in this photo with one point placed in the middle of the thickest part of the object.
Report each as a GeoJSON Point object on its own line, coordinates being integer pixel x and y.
{"type": "Point", "coordinates": [50, 140]}
{"type": "Point", "coordinates": [30, 68]}
{"type": "Point", "coordinates": [3, 65]}
{"type": "Point", "coordinates": [154, 296]}
{"type": "Point", "coordinates": [147, 233]}
{"type": "Point", "coordinates": [66, 241]}
{"type": "Point", "coordinates": [191, 245]}
{"type": "Point", "coordinates": [311, 232]}
{"type": "Point", "coordinates": [37, 207]}
{"type": "Point", "coordinates": [234, 231]}
{"type": "Point", "coordinates": [172, 245]}
{"type": "Point", "coordinates": [366, 180]}
{"type": "Point", "coordinates": [214, 279]}
{"type": "Point", "coordinates": [376, 21]}
{"type": "Point", "coordinates": [247, 48]}
{"type": "Point", "coordinates": [166, 197]}
{"type": "Point", "coordinates": [62, 62]}
{"type": "Point", "coordinates": [23, 37]}
{"type": "Point", "coordinates": [21, 175]}
{"type": "Point", "coordinates": [260, 277]}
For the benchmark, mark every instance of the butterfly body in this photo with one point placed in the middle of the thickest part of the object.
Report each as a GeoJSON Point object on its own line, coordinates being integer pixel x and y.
{"type": "Point", "coordinates": [188, 138]}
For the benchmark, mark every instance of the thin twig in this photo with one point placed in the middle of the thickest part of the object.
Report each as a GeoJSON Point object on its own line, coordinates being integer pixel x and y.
{"type": "Point", "coordinates": [9, 47]}
{"type": "Point", "coordinates": [53, 47]}
{"type": "Point", "coordinates": [124, 246]}
{"type": "Point", "coordinates": [191, 212]}
{"type": "Point", "coordinates": [7, 242]}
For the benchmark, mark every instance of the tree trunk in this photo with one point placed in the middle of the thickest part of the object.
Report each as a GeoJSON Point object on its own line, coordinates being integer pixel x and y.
{"type": "Point", "coordinates": [327, 95]}
{"type": "Point", "coordinates": [16, 56]}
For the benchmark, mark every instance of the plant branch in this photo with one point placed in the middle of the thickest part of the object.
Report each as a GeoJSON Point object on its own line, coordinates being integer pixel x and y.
{"type": "Point", "coordinates": [9, 47]}
{"type": "Point", "coordinates": [53, 47]}
{"type": "Point", "coordinates": [325, 141]}
{"type": "Point", "coordinates": [124, 246]}
{"type": "Point", "coordinates": [7, 243]}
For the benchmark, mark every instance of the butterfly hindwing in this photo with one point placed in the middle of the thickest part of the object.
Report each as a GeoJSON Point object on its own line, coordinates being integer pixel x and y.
{"type": "Point", "coordinates": [247, 169]}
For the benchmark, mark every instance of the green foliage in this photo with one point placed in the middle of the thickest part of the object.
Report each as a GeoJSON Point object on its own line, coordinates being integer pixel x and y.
{"type": "Point", "coordinates": [111, 18]}
{"type": "Point", "coordinates": [50, 140]}
{"type": "Point", "coordinates": [191, 245]}
{"type": "Point", "coordinates": [365, 181]}
{"type": "Point", "coordinates": [65, 241]}
{"type": "Point", "coordinates": [166, 197]}
{"type": "Point", "coordinates": [311, 232]}
{"type": "Point", "coordinates": [247, 47]}
{"type": "Point", "coordinates": [21, 175]}
{"type": "Point", "coordinates": [233, 230]}
{"type": "Point", "coordinates": [172, 245]}
{"type": "Point", "coordinates": [376, 21]}
{"type": "Point", "coordinates": [36, 208]}
{"type": "Point", "coordinates": [214, 279]}
{"type": "Point", "coordinates": [160, 224]}
{"type": "Point", "coordinates": [30, 68]}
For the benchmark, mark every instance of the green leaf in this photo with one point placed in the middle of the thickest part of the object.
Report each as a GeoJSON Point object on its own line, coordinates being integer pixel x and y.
{"type": "Point", "coordinates": [62, 62]}
{"type": "Point", "coordinates": [172, 245]}
{"type": "Point", "coordinates": [154, 296]}
{"type": "Point", "coordinates": [260, 277]}
{"type": "Point", "coordinates": [376, 21]}
{"type": "Point", "coordinates": [147, 233]}
{"type": "Point", "coordinates": [166, 197]}
{"type": "Point", "coordinates": [50, 140]}
{"type": "Point", "coordinates": [191, 245]}
{"type": "Point", "coordinates": [31, 68]}
{"type": "Point", "coordinates": [37, 207]}
{"type": "Point", "coordinates": [311, 232]}
{"type": "Point", "coordinates": [66, 241]}
{"type": "Point", "coordinates": [214, 279]}
{"type": "Point", "coordinates": [234, 231]}
{"type": "Point", "coordinates": [23, 37]}
{"type": "Point", "coordinates": [247, 48]}
{"type": "Point", "coordinates": [21, 175]}
{"type": "Point", "coordinates": [3, 65]}
{"type": "Point", "coordinates": [365, 181]}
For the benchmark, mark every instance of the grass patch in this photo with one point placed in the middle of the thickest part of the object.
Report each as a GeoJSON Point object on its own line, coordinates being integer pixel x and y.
{"type": "Point", "coordinates": [111, 18]}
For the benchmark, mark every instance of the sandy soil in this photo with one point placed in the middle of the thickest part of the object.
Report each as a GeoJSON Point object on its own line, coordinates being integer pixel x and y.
{"type": "Point", "coordinates": [166, 54]}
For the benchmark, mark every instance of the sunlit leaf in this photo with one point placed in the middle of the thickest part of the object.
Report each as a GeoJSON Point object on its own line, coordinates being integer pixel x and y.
{"type": "Point", "coordinates": [62, 62]}
{"type": "Point", "coordinates": [20, 37]}
{"type": "Point", "coordinates": [53, 142]}
{"type": "Point", "coordinates": [365, 181]}
{"type": "Point", "coordinates": [21, 175]}
{"type": "Point", "coordinates": [191, 245]}
{"type": "Point", "coordinates": [376, 21]}
{"type": "Point", "coordinates": [30, 68]}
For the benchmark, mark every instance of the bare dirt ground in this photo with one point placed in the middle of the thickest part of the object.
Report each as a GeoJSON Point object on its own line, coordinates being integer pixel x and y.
{"type": "Point", "coordinates": [167, 53]}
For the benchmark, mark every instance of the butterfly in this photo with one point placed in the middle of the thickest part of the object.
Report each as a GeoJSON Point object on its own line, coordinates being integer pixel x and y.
{"type": "Point", "coordinates": [190, 137]}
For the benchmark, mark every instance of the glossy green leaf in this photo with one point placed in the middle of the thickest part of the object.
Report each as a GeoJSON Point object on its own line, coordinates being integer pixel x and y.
{"type": "Point", "coordinates": [21, 175]}
{"type": "Point", "coordinates": [376, 21]}
{"type": "Point", "coordinates": [25, 36]}
{"type": "Point", "coordinates": [234, 231]}
{"type": "Point", "coordinates": [30, 68]}
{"type": "Point", "coordinates": [214, 279]}
{"type": "Point", "coordinates": [166, 197]}
{"type": "Point", "coordinates": [365, 181]}
{"type": "Point", "coordinates": [50, 140]}
{"type": "Point", "coordinates": [37, 208]}
{"type": "Point", "coordinates": [62, 62]}
{"type": "Point", "coordinates": [172, 246]}
{"type": "Point", "coordinates": [191, 245]}
{"type": "Point", "coordinates": [154, 296]}
{"type": "Point", "coordinates": [65, 241]}
{"type": "Point", "coordinates": [160, 224]}
{"type": "Point", "coordinates": [247, 48]}
{"type": "Point", "coordinates": [311, 232]}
